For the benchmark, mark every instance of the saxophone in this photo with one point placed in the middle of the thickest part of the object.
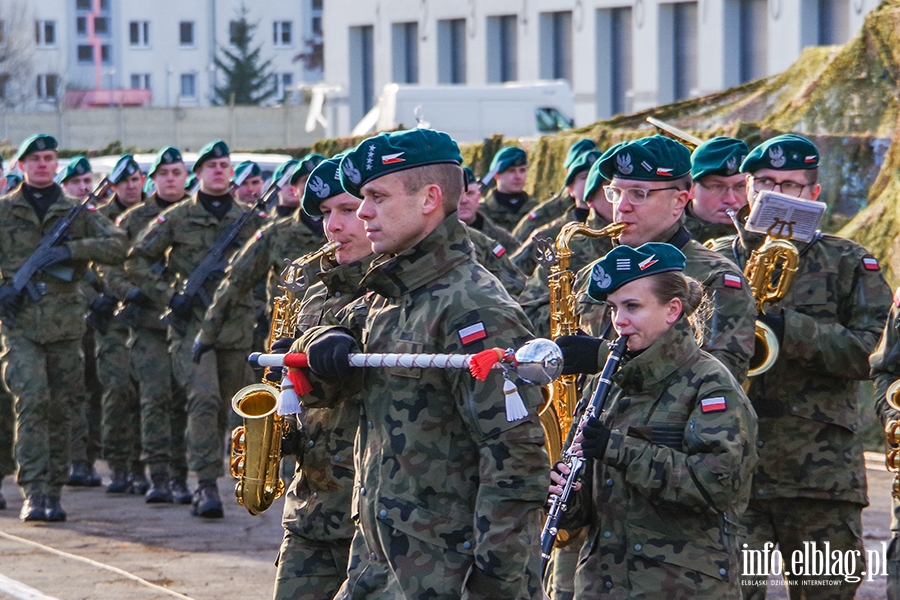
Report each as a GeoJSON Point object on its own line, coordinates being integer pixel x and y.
{"type": "Point", "coordinates": [256, 445]}
{"type": "Point", "coordinates": [558, 411]}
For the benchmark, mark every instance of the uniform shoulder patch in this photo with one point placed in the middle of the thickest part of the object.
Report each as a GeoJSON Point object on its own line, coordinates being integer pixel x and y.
{"type": "Point", "coordinates": [92, 207]}
{"type": "Point", "coordinates": [733, 281]}
{"type": "Point", "coordinates": [262, 214]}
{"type": "Point", "coordinates": [160, 219]}
{"type": "Point", "coordinates": [870, 263]}
{"type": "Point", "coordinates": [472, 333]}
{"type": "Point", "coordinates": [259, 234]}
{"type": "Point", "coordinates": [897, 298]}
{"type": "Point", "coordinates": [713, 404]}
{"type": "Point", "coordinates": [498, 250]}
{"type": "Point", "coordinates": [119, 220]}
{"type": "Point", "coordinates": [532, 215]}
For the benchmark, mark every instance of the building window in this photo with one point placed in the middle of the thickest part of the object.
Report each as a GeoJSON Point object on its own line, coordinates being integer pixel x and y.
{"type": "Point", "coordinates": [753, 39]}
{"type": "Point", "coordinates": [101, 25]}
{"type": "Point", "coordinates": [614, 87]}
{"type": "Point", "coordinates": [106, 53]}
{"type": "Point", "coordinates": [451, 39]}
{"type": "Point", "coordinates": [556, 39]}
{"type": "Point", "coordinates": [85, 53]}
{"type": "Point", "coordinates": [81, 25]}
{"type": "Point", "coordinates": [317, 4]}
{"type": "Point", "coordinates": [47, 86]}
{"type": "Point", "coordinates": [140, 81]}
{"type": "Point", "coordinates": [139, 34]}
{"type": "Point", "coordinates": [189, 85]}
{"type": "Point", "coordinates": [502, 49]}
{"type": "Point", "coordinates": [281, 34]}
{"type": "Point", "coordinates": [317, 25]}
{"type": "Point", "coordinates": [283, 84]}
{"type": "Point", "coordinates": [45, 33]}
{"type": "Point", "coordinates": [362, 71]}
{"type": "Point", "coordinates": [833, 22]}
{"type": "Point", "coordinates": [186, 33]}
{"type": "Point", "coordinates": [83, 4]}
{"type": "Point", "coordinates": [405, 47]}
{"type": "Point", "coordinates": [685, 49]}
{"type": "Point", "coordinates": [4, 83]}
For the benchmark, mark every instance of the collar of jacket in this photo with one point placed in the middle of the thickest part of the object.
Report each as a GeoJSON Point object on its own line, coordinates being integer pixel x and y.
{"type": "Point", "coordinates": [439, 252]}
{"type": "Point", "coordinates": [197, 212]}
{"type": "Point", "coordinates": [345, 279]}
{"type": "Point", "coordinates": [23, 207]}
{"type": "Point", "coordinates": [648, 371]}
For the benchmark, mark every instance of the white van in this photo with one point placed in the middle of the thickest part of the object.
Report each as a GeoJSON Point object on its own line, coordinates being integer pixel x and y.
{"type": "Point", "coordinates": [470, 113]}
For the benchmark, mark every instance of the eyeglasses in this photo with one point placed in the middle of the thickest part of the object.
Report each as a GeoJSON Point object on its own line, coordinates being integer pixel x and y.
{"type": "Point", "coordinates": [790, 188]}
{"type": "Point", "coordinates": [635, 195]}
{"type": "Point", "coordinates": [717, 190]}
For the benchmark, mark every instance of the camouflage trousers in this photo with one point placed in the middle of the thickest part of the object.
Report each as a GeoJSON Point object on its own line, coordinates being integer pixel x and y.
{"type": "Point", "coordinates": [310, 570]}
{"type": "Point", "coordinates": [7, 433]}
{"type": "Point", "coordinates": [560, 585]}
{"type": "Point", "coordinates": [209, 387]}
{"type": "Point", "coordinates": [789, 523]}
{"type": "Point", "coordinates": [162, 404]}
{"type": "Point", "coordinates": [44, 378]}
{"type": "Point", "coordinates": [121, 410]}
{"type": "Point", "coordinates": [86, 412]}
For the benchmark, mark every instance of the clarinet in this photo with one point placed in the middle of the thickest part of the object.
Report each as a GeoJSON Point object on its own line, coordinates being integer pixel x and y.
{"type": "Point", "coordinates": [559, 502]}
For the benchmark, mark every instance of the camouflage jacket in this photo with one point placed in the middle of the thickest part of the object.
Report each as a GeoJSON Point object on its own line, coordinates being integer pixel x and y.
{"type": "Point", "coordinates": [728, 311]}
{"type": "Point", "coordinates": [491, 255]}
{"type": "Point", "coordinates": [438, 460]}
{"type": "Point", "coordinates": [495, 232]}
{"type": "Point", "coordinates": [179, 239]}
{"type": "Point", "coordinates": [543, 214]}
{"type": "Point", "coordinates": [502, 216]}
{"type": "Point", "coordinates": [58, 315]}
{"type": "Point", "coordinates": [807, 403]}
{"type": "Point", "coordinates": [535, 299]}
{"type": "Point", "coordinates": [318, 502]}
{"type": "Point", "coordinates": [885, 363]}
{"type": "Point", "coordinates": [524, 256]}
{"type": "Point", "coordinates": [674, 480]}
{"type": "Point", "coordinates": [261, 259]}
{"type": "Point", "coordinates": [704, 231]}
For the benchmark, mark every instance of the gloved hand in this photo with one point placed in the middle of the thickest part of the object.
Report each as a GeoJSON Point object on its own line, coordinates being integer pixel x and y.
{"type": "Point", "coordinates": [200, 349]}
{"type": "Point", "coordinates": [10, 301]}
{"type": "Point", "coordinates": [580, 353]}
{"type": "Point", "coordinates": [776, 323]}
{"type": "Point", "coordinates": [136, 296]}
{"type": "Point", "coordinates": [182, 307]}
{"type": "Point", "coordinates": [329, 355]}
{"type": "Point", "coordinates": [282, 346]}
{"type": "Point", "coordinates": [596, 436]}
{"type": "Point", "coordinates": [104, 306]}
{"type": "Point", "coordinates": [54, 255]}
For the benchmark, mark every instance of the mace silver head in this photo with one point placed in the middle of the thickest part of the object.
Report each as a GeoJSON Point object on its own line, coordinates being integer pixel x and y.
{"type": "Point", "coordinates": [539, 361]}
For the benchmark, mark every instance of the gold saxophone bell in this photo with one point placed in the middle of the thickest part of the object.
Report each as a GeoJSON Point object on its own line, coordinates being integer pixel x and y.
{"type": "Point", "coordinates": [256, 448]}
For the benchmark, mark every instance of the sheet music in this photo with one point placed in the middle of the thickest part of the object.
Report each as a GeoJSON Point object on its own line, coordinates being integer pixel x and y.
{"type": "Point", "coordinates": [785, 216]}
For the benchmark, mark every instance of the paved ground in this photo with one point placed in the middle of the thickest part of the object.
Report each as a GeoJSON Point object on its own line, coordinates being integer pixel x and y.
{"type": "Point", "coordinates": [200, 559]}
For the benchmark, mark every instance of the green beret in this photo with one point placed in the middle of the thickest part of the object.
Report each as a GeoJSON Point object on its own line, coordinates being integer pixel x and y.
{"type": "Point", "coordinates": [284, 168]}
{"type": "Point", "coordinates": [469, 175]}
{"type": "Point", "coordinates": [126, 166]}
{"type": "Point", "coordinates": [149, 186]}
{"type": "Point", "coordinates": [786, 152]}
{"type": "Point", "coordinates": [396, 151]}
{"type": "Point", "coordinates": [577, 149]}
{"type": "Point", "coordinates": [718, 156]}
{"type": "Point", "coordinates": [582, 163]}
{"type": "Point", "coordinates": [324, 182]}
{"type": "Point", "coordinates": [167, 156]}
{"type": "Point", "coordinates": [13, 180]}
{"type": "Point", "coordinates": [305, 166]}
{"type": "Point", "coordinates": [78, 166]}
{"type": "Point", "coordinates": [191, 183]}
{"type": "Point", "coordinates": [36, 143]}
{"type": "Point", "coordinates": [653, 158]}
{"type": "Point", "coordinates": [624, 264]}
{"type": "Point", "coordinates": [506, 158]}
{"type": "Point", "coordinates": [595, 181]}
{"type": "Point", "coordinates": [255, 171]}
{"type": "Point", "coordinates": [217, 149]}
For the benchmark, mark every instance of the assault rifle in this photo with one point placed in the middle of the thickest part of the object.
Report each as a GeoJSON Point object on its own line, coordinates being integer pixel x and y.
{"type": "Point", "coordinates": [215, 261]}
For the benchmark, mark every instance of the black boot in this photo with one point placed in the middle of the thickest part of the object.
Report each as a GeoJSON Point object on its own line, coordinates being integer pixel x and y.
{"type": "Point", "coordinates": [2, 499]}
{"type": "Point", "coordinates": [53, 510]}
{"type": "Point", "coordinates": [119, 483]}
{"type": "Point", "coordinates": [94, 479]}
{"type": "Point", "coordinates": [137, 482]}
{"type": "Point", "coordinates": [180, 492]}
{"type": "Point", "coordinates": [79, 474]}
{"type": "Point", "coordinates": [159, 491]}
{"type": "Point", "coordinates": [33, 508]}
{"type": "Point", "coordinates": [206, 501]}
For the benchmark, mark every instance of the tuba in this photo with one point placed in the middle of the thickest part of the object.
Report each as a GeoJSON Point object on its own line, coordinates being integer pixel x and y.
{"type": "Point", "coordinates": [256, 445]}
{"type": "Point", "coordinates": [561, 397]}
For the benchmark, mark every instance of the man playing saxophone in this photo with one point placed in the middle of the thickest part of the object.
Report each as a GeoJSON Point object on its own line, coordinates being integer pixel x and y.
{"type": "Point", "coordinates": [809, 485]}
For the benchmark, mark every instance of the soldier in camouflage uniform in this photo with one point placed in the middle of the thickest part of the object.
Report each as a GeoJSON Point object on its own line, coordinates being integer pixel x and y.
{"type": "Point", "coordinates": [671, 454]}
{"type": "Point", "coordinates": [810, 484]}
{"type": "Point", "coordinates": [251, 188]}
{"type": "Point", "coordinates": [508, 202]}
{"type": "Point", "coordinates": [43, 364]}
{"type": "Point", "coordinates": [163, 416]}
{"type": "Point", "coordinates": [312, 562]}
{"type": "Point", "coordinates": [7, 414]}
{"type": "Point", "coordinates": [180, 238]}
{"type": "Point", "coordinates": [718, 187]}
{"type": "Point", "coordinates": [289, 197]}
{"type": "Point", "coordinates": [554, 208]}
{"type": "Point", "coordinates": [450, 485]}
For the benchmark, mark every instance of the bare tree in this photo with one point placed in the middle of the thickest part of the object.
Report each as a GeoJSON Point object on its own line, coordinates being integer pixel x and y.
{"type": "Point", "coordinates": [17, 83]}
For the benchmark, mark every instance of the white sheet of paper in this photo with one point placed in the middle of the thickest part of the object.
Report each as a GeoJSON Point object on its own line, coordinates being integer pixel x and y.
{"type": "Point", "coordinates": [785, 216]}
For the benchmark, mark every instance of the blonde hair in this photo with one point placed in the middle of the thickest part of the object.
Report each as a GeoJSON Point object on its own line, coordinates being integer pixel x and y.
{"type": "Point", "coordinates": [696, 306]}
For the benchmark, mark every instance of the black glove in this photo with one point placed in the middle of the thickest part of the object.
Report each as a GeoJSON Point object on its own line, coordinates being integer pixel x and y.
{"type": "Point", "coordinates": [10, 302]}
{"type": "Point", "coordinates": [200, 349]}
{"type": "Point", "coordinates": [292, 444]}
{"type": "Point", "coordinates": [101, 313]}
{"type": "Point", "coordinates": [54, 255]}
{"type": "Point", "coordinates": [596, 436]}
{"type": "Point", "coordinates": [776, 323]}
{"type": "Point", "coordinates": [282, 346]}
{"type": "Point", "coordinates": [580, 353]}
{"type": "Point", "coordinates": [182, 307]}
{"type": "Point", "coordinates": [329, 355]}
{"type": "Point", "coordinates": [136, 296]}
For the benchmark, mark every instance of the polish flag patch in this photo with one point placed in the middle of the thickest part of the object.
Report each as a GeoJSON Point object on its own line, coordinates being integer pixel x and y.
{"type": "Point", "coordinates": [733, 281]}
{"type": "Point", "coordinates": [258, 235]}
{"type": "Point", "coordinates": [664, 172]}
{"type": "Point", "coordinates": [648, 262]}
{"type": "Point", "coordinates": [713, 404]}
{"type": "Point", "coordinates": [160, 219]}
{"type": "Point", "coordinates": [532, 216]}
{"type": "Point", "coordinates": [897, 298]}
{"type": "Point", "coordinates": [391, 159]}
{"type": "Point", "coordinates": [871, 264]}
{"type": "Point", "coordinates": [810, 159]}
{"type": "Point", "coordinates": [92, 207]}
{"type": "Point", "coordinates": [472, 333]}
{"type": "Point", "coordinates": [498, 250]}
